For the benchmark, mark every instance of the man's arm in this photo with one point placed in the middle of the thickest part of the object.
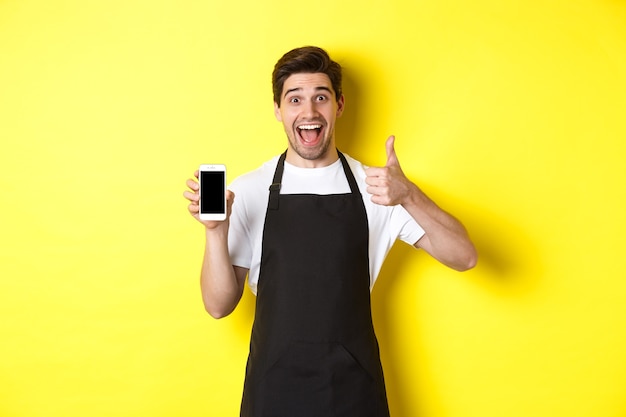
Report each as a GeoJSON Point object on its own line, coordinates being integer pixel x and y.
{"type": "Point", "coordinates": [221, 283]}
{"type": "Point", "coordinates": [445, 237]}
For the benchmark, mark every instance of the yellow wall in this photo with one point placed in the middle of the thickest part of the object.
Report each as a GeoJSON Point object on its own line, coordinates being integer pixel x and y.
{"type": "Point", "coordinates": [509, 113]}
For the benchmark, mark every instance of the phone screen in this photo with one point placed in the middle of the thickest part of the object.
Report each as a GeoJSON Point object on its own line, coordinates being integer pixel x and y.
{"type": "Point", "coordinates": [212, 192]}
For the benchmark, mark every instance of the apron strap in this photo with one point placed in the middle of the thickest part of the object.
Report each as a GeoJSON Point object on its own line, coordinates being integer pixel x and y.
{"type": "Point", "coordinates": [354, 188]}
{"type": "Point", "coordinates": [275, 187]}
{"type": "Point", "coordinates": [278, 177]}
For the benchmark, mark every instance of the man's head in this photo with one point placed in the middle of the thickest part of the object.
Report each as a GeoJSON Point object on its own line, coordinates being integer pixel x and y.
{"type": "Point", "coordinates": [307, 101]}
{"type": "Point", "coordinates": [308, 59]}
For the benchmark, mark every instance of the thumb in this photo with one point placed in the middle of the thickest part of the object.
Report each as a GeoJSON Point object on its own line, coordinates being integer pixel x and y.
{"type": "Point", "coordinates": [392, 159]}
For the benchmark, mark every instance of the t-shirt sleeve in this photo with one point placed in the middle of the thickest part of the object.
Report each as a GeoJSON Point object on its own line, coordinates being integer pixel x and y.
{"type": "Point", "coordinates": [239, 242]}
{"type": "Point", "coordinates": [410, 230]}
{"type": "Point", "coordinates": [393, 222]}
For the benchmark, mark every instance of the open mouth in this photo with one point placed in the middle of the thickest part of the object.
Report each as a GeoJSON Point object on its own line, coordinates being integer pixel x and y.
{"type": "Point", "coordinates": [310, 134]}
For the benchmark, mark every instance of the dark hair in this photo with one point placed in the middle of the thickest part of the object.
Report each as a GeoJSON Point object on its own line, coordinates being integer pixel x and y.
{"type": "Point", "coordinates": [308, 59]}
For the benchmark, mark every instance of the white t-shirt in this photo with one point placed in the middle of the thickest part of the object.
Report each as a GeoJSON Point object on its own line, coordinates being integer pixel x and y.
{"type": "Point", "coordinates": [386, 224]}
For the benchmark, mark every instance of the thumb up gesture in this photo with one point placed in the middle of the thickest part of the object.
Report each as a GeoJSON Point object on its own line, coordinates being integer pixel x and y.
{"type": "Point", "coordinates": [388, 185]}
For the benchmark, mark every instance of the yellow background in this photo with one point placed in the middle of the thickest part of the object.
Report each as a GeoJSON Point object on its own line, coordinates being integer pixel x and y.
{"type": "Point", "coordinates": [510, 114]}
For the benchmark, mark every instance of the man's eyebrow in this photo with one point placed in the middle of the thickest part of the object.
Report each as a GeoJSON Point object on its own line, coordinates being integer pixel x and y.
{"type": "Point", "coordinates": [320, 88]}
{"type": "Point", "coordinates": [291, 90]}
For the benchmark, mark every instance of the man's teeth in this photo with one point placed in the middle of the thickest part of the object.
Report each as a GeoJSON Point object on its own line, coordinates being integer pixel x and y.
{"type": "Point", "coordinates": [309, 127]}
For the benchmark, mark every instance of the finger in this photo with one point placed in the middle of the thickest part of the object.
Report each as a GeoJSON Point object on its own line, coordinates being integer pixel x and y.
{"type": "Point", "coordinates": [380, 199]}
{"type": "Point", "coordinates": [230, 197]}
{"type": "Point", "coordinates": [193, 185]}
{"type": "Point", "coordinates": [193, 197]}
{"type": "Point", "coordinates": [392, 158]}
{"type": "Point", "coordinates": [193, 208]}
{"type": "Point", "coordinates": [378, 182]}
{"type": "Point", "coordinates": [373, 190]}
{"type": "Point", "coordinates": [373, 172]}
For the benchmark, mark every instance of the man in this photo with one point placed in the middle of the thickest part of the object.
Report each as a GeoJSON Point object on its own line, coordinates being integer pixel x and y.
{"type": "Point", "coordinates": [311, 229]}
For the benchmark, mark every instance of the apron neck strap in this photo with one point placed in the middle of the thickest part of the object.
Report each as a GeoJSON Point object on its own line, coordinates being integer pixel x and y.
{"type": "Point", "coordinates": [354, 188]}
{"type": "Point", "coordinates": [278, 177]}
{"type": "Point", "coordinates": [275, 187]}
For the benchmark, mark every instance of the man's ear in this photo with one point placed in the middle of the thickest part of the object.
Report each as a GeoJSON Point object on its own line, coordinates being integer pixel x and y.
{"type": "Point", "coordinates": [279, 117]}
{"type": "Point", "coordinates": [340, 105]}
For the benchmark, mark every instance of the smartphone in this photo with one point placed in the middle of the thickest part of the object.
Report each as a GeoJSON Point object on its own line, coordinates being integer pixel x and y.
{"type": "Point", "coordinates": [212, 179]}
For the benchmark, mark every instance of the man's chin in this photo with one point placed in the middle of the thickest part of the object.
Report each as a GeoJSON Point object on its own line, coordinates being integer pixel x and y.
{"type": "Point", "coordinates": [312, 153]}
{"type": "Point", "coordinates": [307, 151]}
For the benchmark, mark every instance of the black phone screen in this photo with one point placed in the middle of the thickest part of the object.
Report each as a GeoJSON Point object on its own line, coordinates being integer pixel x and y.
{"type": "Point", "coordinates": [212, 192]}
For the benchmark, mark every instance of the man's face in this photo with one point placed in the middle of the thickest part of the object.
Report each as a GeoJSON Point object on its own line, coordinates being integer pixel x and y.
{"type": "Point", "coordinates": [308, 110]}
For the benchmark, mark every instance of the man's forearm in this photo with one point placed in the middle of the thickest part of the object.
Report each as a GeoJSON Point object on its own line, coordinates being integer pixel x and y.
{"type": "Point", "coordinates": [221, 286]}
{"type": "Point", "coordinates": [445, 237]}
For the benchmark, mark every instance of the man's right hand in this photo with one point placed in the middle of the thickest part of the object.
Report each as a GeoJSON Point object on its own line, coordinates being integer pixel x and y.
{"type": "Point", "coordinates": [194, 208]}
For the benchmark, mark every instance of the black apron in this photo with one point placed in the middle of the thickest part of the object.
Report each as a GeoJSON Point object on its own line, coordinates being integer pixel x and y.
{"type": "Point", "coordinates": [313, 351]}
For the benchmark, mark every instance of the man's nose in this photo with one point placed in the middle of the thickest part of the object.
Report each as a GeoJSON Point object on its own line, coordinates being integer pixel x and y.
{"type": "Point", "coordinates": [310, 108]}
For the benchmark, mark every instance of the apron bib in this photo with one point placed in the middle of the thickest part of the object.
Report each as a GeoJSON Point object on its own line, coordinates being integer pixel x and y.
{"type": "Point", "coordinates": [313, 351]}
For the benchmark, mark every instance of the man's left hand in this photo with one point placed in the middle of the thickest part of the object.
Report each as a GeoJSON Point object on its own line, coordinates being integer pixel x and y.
{"type": "Point", "coordinates": [388, 185]}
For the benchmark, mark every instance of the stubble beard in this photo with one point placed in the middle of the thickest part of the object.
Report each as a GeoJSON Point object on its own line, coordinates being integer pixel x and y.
{"type": "Point", "coordinates": [312, 153]}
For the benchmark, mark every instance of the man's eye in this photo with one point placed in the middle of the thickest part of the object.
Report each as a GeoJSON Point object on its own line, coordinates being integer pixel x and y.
{"type": "Point", "coordinates": [294, 100]}
{"type": "Point", "coordinates": [321, 98]}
